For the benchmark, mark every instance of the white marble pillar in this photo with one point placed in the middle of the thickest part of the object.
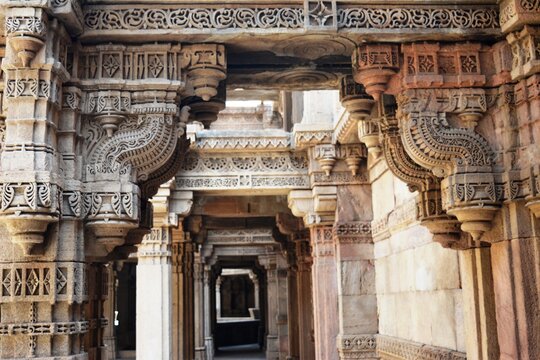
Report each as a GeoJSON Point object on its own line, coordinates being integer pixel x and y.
{"type": "Point", "coordinates": [154, 297]}
{"type": "Point", "coordinates": [208, 338]}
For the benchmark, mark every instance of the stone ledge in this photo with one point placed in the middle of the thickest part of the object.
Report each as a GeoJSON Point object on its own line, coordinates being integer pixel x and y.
{"type": "Point", "coordinates": [394, 348]}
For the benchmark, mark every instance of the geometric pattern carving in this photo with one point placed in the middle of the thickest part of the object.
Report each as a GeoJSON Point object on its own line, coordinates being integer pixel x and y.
{"type": "Point", "coordinates": [357, 347]}
{"type": "Point", "coordinates": [49, 282]}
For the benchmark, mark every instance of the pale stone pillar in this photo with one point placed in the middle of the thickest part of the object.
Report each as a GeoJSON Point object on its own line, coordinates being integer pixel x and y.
{"type": "Point", "coordinates": [292, 301]}
{"type": "Point", "coordinates": [109, 338]}
{"type": "Point", "coordinates": [256, 289]}
{"type": "Point", "coordinates": [305, 297]}
{"type": "Point", "coordinates": [325, 293]}
{"type": "Point", "coordinates": [218, 296]}
{"type": "Point", "coordinates": [198, 295]}
{"type": "Point", "coordinates": [479, 304]}
{"type": "Point", "coordinates": [208, 338]}
{"type": "Point", "coordinates": [272, 339]}
{"type": "Point", "coordinates": [154, 297]}
{"type": "Point", "coordinates": [182, 294]}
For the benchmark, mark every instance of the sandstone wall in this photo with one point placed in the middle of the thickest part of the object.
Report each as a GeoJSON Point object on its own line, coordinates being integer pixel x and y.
{"type": "Point", "coordinates": [419, 294]}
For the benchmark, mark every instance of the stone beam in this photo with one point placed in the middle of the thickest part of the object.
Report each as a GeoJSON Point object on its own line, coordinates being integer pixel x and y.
{"type": "Point", "coordinates": [310, 17]}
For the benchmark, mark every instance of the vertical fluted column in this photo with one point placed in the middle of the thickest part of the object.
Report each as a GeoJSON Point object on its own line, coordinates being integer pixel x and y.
{"type": "Point", "coordinates": [154, 296]}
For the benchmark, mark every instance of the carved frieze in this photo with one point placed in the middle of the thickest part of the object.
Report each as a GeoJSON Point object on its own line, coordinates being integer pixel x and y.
{"type": "Point", "coordinates": [240, 237]}
{"type": "Point", "coordinates": [315, 14]}
{"type": "Point", "coordinates": [357, 347]}
{"type": "Point", "coordinates": [230, 171]}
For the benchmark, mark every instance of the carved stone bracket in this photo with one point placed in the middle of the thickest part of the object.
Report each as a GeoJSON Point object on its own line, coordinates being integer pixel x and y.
{"type": "Point", "coordinates": [525, 52]}
{"type": "Point", "coordinates": [428, 202]}
{"type": "Point", "coordinates": [206, 66]}
{"type": "Point", "coordinates": [26, 28]}
{"type": "Point", "coordinates": [315, 207]}
{"type": "Point", "coordinates": [374, 65]}
{"type": "Point", "coordinates": [459, 155]}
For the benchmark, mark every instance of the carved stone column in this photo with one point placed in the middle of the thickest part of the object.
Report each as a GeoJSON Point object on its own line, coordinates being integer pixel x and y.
{"type": "Point", "coordinates": [305, 297]}
{"type": "Point", "coordinates": [198, 301]}
{"type": "Point", "coordinates": [272, 306]}
{"type": "Point", "coordinates": [218, 297]}
{"type": "Point", "coordinates": [156, 298]}
{"type": "Point", "coordinates": [292, 302]}
{"type": "Point", "coordinates": [514, 253]}
{"type": "Point", "coordinates": [154, 291]}
{"type": "Point", "coordinates": [324, 279]}
{"type": "Point", "coordinates": [43, 273]}
{"type": "Point", "coordinates": [208, 337]}
{"type": "Point", "coordinates": [109, 336]}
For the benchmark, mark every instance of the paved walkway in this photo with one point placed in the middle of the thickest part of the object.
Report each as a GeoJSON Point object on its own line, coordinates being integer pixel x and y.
{"type": "Point", "coordinates": [242, 352]}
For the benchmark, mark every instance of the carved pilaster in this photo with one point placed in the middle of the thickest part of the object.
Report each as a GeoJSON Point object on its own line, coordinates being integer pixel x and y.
{"type": "Point", "coordinates": [29, 188]}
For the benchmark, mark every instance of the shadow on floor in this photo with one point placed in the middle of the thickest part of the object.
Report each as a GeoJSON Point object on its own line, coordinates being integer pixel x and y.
{"type": "Point", "coordinates": [240, 352]}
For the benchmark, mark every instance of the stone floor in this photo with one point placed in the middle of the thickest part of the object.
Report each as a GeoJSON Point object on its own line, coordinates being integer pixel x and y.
{"type": "Point", "coordinates": [242, 352]}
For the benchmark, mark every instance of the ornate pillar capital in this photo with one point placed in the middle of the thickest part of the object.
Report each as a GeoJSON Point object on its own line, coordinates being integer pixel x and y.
{"type": "Point", "coordinates": [315, 207]}
{"type": "Point", "coordinates": [374, 65]}
{"type": "Point", "coordinates": [206, 66]}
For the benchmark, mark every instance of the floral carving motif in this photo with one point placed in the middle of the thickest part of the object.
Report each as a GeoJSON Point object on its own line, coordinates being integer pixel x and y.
{"type": "Point", "coordinates": [427, 18]}
{"type": "Point", "coordinates": [198, 18]}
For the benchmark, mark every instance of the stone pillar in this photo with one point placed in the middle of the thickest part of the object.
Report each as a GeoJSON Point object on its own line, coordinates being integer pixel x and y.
{"type": "Point", "coordinates": [292, 311]}
{"type": "Point", "coordinates": [218, 296]}
{"type": "Point", "coordinates": [479, 304]}
{"type": "Point", "coordinates": [208, 337]}
{"type": "Point", "coordinates": [317, 208]}
{"type": "Point", "coordinates": [325, 293]}
{"type": "Point", "coordinates": [154, 332]}
{"type": "Point", "coordinates": [272, 303]}
{"type": "Point", "coordinates": [183, 248]}
{"type": "Point", "coordinates": [109, 336]}
{"type": "Point", "coordinates": [257, 292]}
{"type": "Point", "coordinates": [305, 297]}
{"type": "Point", "coordinates": [198, 295]}
{"type": "Point", "coordinates": [42, 256]}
